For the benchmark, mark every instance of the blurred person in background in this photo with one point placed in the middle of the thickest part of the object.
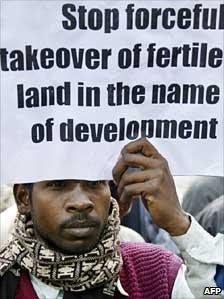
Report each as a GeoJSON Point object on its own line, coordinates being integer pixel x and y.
{"type": "Point", "coordinates": [6, 197]}
{"type": "Point", "coordinates": [211, 217]}
{"type": "Point", "coordinates": [202, 191]}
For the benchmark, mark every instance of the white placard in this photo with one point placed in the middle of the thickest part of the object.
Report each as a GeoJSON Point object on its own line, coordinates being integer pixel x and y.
{"type": "Point", "coordinates": [80, 79]}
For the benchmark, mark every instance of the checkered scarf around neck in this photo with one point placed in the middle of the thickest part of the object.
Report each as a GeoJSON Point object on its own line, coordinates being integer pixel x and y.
{"type": "Point", "coordinates": [74, 273]}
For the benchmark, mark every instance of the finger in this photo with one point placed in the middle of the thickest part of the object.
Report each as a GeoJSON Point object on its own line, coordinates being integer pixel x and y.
{"type": "Point", "coordinates": [137, 177]}
{"type": "Point", "coordinates": [119, 170]}
{"type": "Point", "coordinates": [139, 189]}
{"type": "Point", "coordinates": [149, 200]}
{"type": "Point", "coordinates": [141, 146]}
{"type": "Point", "coordinates": [137, 161]}
{"type": "Point", "coordinates": [125, 207]}
{"type": "Point", "coordinates": [142, 162]}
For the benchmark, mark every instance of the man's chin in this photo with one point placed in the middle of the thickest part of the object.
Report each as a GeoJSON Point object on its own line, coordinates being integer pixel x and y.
{"type": "Point", "coordinates": [78, 247]}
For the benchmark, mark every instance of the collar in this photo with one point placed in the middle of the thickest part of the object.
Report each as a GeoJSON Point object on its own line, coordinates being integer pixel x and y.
{"type": "Point", "coordinates": [45, 291]}
{"type": "Point", "coordinates": [121, 289]}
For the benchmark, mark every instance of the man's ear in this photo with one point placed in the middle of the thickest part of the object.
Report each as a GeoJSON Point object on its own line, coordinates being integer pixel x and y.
{"type": "Point", "coordinates": [23, 198]}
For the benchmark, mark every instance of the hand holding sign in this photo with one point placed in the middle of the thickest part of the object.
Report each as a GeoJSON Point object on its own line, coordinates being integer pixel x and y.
{"type": "Point", "coordinates": [153, 183]}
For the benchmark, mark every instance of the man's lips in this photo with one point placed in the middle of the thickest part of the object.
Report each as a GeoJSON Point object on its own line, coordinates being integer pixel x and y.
{"type": "Point", "coordinates": [80, 228]}
{"type": "Point", "coordinates": [81, 232]}
{"type": "Point", "coordinates": [81, 224]}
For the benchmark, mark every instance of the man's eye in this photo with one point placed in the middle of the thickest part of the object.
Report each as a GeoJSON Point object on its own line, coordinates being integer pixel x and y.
{"type": "Point", "coordinates": [95, 183]}
{"type": "Point", "coordinates": [57, 184]}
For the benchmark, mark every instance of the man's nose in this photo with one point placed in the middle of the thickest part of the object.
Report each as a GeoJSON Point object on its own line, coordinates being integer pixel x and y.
{"type": "Point", "coordinates": [78, 201]}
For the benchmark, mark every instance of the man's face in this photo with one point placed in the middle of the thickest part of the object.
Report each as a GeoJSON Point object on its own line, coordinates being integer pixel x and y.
{"type": "Point", "coordinates": [70, 215]}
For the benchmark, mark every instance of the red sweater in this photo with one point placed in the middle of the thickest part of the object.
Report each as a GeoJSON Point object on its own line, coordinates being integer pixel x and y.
{"type": "Point", "coordinates": [149, 271]}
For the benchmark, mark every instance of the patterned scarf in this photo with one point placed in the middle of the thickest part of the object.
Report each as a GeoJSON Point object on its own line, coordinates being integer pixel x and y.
{"type": "Point", "coordinates": [74, 273]}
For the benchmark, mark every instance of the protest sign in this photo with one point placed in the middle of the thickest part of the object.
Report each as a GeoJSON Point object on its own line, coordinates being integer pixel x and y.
{"type": "Point", "coordinates": [80, 79]}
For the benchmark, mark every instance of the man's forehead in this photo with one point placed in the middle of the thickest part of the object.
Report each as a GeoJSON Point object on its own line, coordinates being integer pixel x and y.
{"type": "Point", "coordinates": [66, 181]}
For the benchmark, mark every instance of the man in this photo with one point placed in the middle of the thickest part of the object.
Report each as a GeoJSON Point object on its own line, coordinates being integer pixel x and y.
{"type": "Point", "coordinates": [65, 242]}
{"type": "Point", "coordinates": [211, 218]}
